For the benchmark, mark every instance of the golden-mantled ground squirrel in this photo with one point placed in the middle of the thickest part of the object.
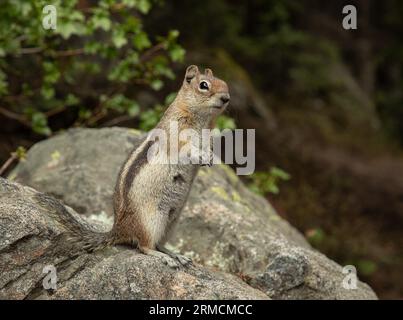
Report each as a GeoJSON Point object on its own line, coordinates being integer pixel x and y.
{"type": "Point", "coordinates": [149, 197]}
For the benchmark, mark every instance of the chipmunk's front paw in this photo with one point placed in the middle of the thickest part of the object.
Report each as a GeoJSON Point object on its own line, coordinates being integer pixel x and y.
{"type": "Point", "coordinates": [184, 261]}
{"type": "Point", "coordinates": [170, 262]}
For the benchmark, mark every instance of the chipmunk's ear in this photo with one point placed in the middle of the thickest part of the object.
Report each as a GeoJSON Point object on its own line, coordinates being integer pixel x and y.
{"type": "Point", "coordinates": [209, 73]}
{"type": "Point", "coordinates": [191, 72]}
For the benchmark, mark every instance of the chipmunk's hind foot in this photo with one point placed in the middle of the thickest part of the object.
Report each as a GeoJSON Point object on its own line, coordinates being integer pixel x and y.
{"type": "Point", "coordinates": [167, 259]}
{"type": "Point", "coordinates": [184, 261]}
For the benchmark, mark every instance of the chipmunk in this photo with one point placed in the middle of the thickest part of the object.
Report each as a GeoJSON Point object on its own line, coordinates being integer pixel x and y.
{"type": "Point", "coordinates": [149, 197]}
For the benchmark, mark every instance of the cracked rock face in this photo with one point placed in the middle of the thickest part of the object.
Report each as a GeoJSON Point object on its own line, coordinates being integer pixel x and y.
{"type": "Point", "coordinates": [224, 226]}
{"type": "Point", "coordinates": [32, 247]}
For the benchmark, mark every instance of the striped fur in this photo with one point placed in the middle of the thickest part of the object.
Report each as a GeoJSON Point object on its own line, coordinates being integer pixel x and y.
{"type": "Point", "coordinates": [149, 197]}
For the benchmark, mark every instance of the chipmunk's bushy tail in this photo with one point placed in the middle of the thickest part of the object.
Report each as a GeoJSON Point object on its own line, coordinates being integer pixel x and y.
{"type": "Point", "coordinates": [78, 233]}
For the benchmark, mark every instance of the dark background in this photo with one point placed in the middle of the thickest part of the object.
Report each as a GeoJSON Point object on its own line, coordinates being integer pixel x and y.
{"type": "Point", "coordinates": [326, 103]}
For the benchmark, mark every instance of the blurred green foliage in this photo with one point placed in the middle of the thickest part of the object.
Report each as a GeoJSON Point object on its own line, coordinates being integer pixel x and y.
{"type": "Point", "coordinates": [225, 122]}
{"type": "Point", "coordinates": [264, 182]}
{"type": "Point", "coordinates": [87, 68]}
{"type": "Point", "coordinates": [315, 236]}
{"type": "Point", "coordinates": [149, 118]}
{"type": "Point", "coordinates": [20, 153]}
{"type": "Point", "coordinates": [366, 267]}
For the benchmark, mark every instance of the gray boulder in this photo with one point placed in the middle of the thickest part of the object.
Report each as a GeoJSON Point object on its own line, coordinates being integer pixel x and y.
{"type": "Point", "coordinates": [224, 226]}
{"type": "Point", "coordinates": [33, 250]}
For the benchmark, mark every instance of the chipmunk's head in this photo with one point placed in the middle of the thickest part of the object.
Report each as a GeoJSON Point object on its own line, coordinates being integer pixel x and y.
{"type": "Point", "coordinates": [203, 93]}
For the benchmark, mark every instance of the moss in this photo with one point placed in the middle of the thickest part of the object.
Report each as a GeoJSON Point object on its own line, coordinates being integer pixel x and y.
{"type": "Point", "coordinates": [55, 155]}
{"type": "Point", "coordinates": [274, 217]}
{"type": "Point", "coordinates": [178, 248]}
{"type": "Point", "coordinates": [233, 178]}
{"type": "Point", "coordinates": [134, 131]}
{"type": "Point", "coordinates": [12, 176]}
{"type": "Point", "coordinates": [217, 258]}
{"type": "Point", "coordinates": [204, 172]}
{"type": "Point", "coordinates": [236, 196]}
{"type": "Point", "coordinates": [221, 192]}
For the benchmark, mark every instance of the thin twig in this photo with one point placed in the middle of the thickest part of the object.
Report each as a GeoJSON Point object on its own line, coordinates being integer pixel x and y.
{"type": "Point", "coordinates": [70, 52]}
{"type": "Point", "coordinates": [65, 53]}
{"type": "Point", "coordinates": [6, 164]}
{"type": "Point", "coordinates": [96, 117]}
{"type": "Point", "coordinates": [115, 121]}
{"type": "Point", "coordinates": [150, 52]}
{"type": "Point", "coordinates": [30, 50]}
{"type": "Point", "coordinates": [15, 116]}
{"type": "Point", "coordinates": [53, 112]}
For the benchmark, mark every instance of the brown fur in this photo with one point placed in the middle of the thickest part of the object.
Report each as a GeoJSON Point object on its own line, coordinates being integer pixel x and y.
{"type": "Point", "coordinates": [148, 197]}
{"type": "Point", "coordinates": [193, 108]}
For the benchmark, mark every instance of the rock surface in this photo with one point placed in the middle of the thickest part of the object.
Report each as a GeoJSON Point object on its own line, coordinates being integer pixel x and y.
{"type": "Point", "coordinates": [31, 241]}
{"type": "Point", "coordinates": [224, 225]}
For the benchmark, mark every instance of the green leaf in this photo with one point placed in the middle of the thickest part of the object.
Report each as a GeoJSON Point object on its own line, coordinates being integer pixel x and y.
{"type": "Point", "coordinates": [52, 74]}
{"type": "Point", "coordinates": [125, 69]}
{"type": "Point", "coordinates": [173, 35]}
{"type": "Point", "coordinates": [21, 153]}
{"type": "Point", "coordinates": [92, 47]}
{"type": "Point", "coordinates": [68, 28]}
{"type": "Point", "coordinates": [141, 41]}
{"type": "Point", "coordinates": [149, 118]}
{"type": "Point", "coordinates": [40, 124]}
{"type": "Point", "coordinates": [129, 3]}
{"type": "Point", "coordinates": [279, 173]}
{"type": "Point", "coordinates": [133, 109]}
{"type": "Point", "coordinates": [132, 24]}
{"type": "Point", "coordinates": [121, 103]}
{"type": "Point", "coordinates": [116, 102]}
{"type": "Point", "coordinates": [156, 84]}
{"type": "Point", "coordinates": [144, 6]}
{"type": "Point", "coordinates": [119, 38]}
{"type": "Point", "coordinates": [267, 182]}
{"type": "Point", "coordinates": [25, 9]}
{"type": "Point", "coordinates": [71, 100]}
{"type": "Point", "coordinates": [3, 83]}
{"type": "Point", "coordinates": [101, 22]}
{"type": "Point", "coordinates": [177, 53]}
{"type": "Point", "coordinates": [315, 236]}
{"type": "Point", "coordinates": [47, 92]}
{"type": "Point", "coordinates": [170, 98]}
{"type": "Point", "coordinates": [273, 188]}
{"type": "Point", "coordinates": [224, 122]}
{"type": "Point", "coordinates": [84, 113]}
{"type": "Point", "coordinates": [366, 267]}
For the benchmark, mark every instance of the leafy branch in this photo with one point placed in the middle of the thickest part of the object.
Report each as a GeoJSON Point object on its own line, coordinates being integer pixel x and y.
{"type": "Point", "coordinates": [116, 56]}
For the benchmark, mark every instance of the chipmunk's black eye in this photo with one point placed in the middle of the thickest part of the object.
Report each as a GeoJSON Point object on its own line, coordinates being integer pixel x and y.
{"type": "Point", "coordinates": [204, 85]}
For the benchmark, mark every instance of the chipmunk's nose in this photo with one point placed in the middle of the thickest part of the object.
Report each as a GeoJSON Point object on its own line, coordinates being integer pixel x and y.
{"type": "Point", "coordinates": [225, 97]}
